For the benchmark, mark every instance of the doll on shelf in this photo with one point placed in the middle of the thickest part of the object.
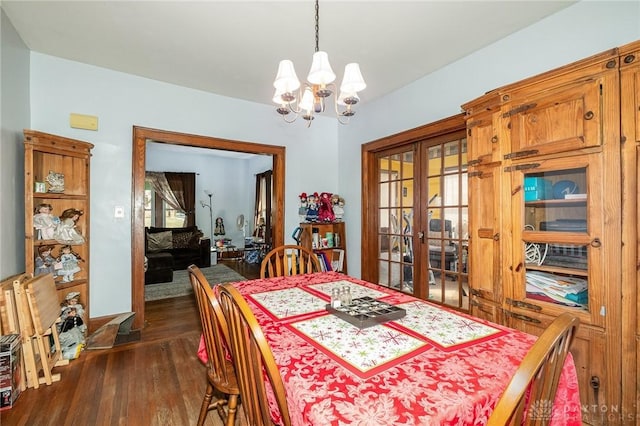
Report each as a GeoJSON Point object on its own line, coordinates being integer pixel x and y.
{"type": "Point", "coordinates": [66, 231]}
{"type": "Point", "coordinates": [72, 327]}
{"type": "Point", "coordinates": [325, 208]}
{"type": "Point", "coordinates": [71, 304]}
{"type": "Point", "coordinates": [69, 261]}
{"type": "Point", "coordinates": [45, 262]}
{"type": "Point", "coordinates": [312, 207]}
{"type": "Point", "coordinates": [302, 210]}
{"type": "Point", "coordinates": [219, 226]}
{"type": "Point", "coordinates": [338, 206]}
{"type": "Point", "coordinates": [44, 222]}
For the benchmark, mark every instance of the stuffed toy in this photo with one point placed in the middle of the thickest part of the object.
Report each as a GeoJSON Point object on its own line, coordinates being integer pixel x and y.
{"type": "Point", "coordinates": [325, 210]}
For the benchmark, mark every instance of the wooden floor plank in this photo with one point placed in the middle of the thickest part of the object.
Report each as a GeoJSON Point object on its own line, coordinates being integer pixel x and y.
{"type": "Point", "coordinates": [157, 381]}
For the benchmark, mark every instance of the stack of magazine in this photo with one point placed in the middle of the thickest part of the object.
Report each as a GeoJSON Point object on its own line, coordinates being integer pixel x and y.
{"type": "Point", "coordinates": [570, 291]}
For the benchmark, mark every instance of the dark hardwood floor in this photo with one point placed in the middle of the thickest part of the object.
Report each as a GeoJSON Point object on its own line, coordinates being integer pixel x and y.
{"type": "Point", "coordinates": [156, 381]}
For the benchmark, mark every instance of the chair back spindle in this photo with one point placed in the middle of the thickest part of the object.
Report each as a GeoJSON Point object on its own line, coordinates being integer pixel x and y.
{"type": "Point", "coordinates": [528, 398]}
{"type": "Point", "coordinates": [289, 260]}
{"type": "Point", "coordinates": [220, 372]}
{"type": "Point", "coordinates": [254, 361]}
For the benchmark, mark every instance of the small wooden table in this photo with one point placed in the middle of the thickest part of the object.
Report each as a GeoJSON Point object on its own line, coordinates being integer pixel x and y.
{"type": "Point", "coordinates": [230, 253]}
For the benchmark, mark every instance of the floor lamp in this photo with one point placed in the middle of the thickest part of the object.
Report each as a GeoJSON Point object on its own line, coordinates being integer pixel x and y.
{"type": "Point", "coordinates": [210, 205]}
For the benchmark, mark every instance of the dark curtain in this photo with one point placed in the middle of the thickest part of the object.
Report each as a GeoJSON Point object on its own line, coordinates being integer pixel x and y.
{"type": "Point", "coordinates": [183, 186]}
{"type": "Point", "coordinates": [263, 205]}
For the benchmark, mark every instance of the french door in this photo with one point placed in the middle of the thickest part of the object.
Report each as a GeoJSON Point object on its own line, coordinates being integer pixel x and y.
{"type": "Point", "coordinates": [416, 206]}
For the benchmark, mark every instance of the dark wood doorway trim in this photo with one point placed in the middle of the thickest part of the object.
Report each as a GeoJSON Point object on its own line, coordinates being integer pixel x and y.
{"type": "Point", "coordinates": [370, 226]}
{"type": "Point", "coordinates": [141, 136]}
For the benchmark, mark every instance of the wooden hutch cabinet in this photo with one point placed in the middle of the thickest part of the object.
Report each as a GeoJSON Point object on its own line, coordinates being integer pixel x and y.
{"type": "Point", "coordinates": [553, 216]}
{"type": "Point", "coordinates": [69, 159]}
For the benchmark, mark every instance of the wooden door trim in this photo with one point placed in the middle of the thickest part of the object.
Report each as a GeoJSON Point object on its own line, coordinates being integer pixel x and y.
{"type": "Point", "coordinates": [369, 241]}
{"type": "Point", "coordinates": [140, 137]}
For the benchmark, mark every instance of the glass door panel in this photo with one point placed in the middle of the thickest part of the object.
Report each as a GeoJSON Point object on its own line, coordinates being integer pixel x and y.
{"type": "Point", "coordinates": [422, 219]}
{"type": "Point", "coordinates": [561, 237]}
{"type": "Point", "coordinates": [447, 223]}
{"type": "Point", "coordinates": [395, 218]}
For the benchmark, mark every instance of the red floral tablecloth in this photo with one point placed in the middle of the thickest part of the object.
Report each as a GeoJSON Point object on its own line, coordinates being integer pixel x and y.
{"type": "Point", "coordinates": [432, 367]}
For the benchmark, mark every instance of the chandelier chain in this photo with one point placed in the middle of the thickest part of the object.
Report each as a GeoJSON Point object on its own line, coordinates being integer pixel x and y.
{"type": "Point", "coordinates": [317, 26]}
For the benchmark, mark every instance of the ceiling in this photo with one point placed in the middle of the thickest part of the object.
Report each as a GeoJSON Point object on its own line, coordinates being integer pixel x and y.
{"type": "Point", "coordinates": [232, 48]}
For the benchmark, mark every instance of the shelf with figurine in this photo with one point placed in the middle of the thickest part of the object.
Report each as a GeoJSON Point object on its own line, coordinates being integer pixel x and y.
{"type": "Point", "coordinates": [322, 228]}
{"type": "Point", "coordinates": [57, 212]}
{"type": "Point", "coordinates": [324, 207]}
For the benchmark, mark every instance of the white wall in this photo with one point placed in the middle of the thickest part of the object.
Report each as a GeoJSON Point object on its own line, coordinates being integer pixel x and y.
{"type": "Point", "coordinates": [59, 87]}
{"type": "Point", "coordinates": [14, 117]}
{"type": "Point", "coordinates": [579, 31]}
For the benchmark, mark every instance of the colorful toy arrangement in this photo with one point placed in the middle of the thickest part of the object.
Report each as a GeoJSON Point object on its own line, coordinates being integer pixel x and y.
{"type": "Point", "coordinates": [323, 207]}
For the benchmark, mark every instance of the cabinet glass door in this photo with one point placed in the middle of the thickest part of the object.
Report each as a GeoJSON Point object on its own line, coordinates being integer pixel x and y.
{"type": "Point", "coordinates": [560, 236]}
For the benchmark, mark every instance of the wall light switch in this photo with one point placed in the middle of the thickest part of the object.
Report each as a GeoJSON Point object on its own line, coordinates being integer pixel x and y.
{"type": "Point", "coordinates": [118, 212]}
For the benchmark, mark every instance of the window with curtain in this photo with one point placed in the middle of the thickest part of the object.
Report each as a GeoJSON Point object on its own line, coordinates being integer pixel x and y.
{"type": "Point", "coordinates": [169, 199]}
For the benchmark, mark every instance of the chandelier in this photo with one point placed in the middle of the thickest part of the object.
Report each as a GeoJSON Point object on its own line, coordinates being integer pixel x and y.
{"type": "Point", "coordinates": [308, 99]}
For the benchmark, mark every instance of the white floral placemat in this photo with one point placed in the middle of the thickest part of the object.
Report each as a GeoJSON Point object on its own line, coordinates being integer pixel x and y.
{"type": "Point", "coordinates": [357, 290]}
{"type": "Point", "coordinates": [365, 349]}
{"type": "Point", "coordinates": [444, 328]}
{"type": "Point", "coordinates": [289, 302]}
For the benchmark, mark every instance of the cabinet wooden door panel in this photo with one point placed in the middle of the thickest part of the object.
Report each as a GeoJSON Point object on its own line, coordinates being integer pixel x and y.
{"type": "Point", "coordinates": [569, 234]}
{"type": "Point", "coordinates": [485, 245]}
{"type": "Point", "coordinates": [483, 120]}
{"type": "Point", "coordinates": [557, 121]}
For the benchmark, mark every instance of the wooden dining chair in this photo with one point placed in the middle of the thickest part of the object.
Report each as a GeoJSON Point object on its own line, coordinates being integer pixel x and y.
{"type": "Point", "coordinates": [221, 375]}
{"type": "Point", "coordinates": [289, 260]}
{"type": "Point", "coordinates": [529, 396]}
{"type": "Point", "coordinates": [253, 360]}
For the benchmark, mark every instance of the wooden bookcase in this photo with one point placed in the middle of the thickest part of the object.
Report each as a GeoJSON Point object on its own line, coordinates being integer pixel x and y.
{"type": "Point", "coordinates": [45, 153]}
{"type": "Point", "coordinates": [336, 228]}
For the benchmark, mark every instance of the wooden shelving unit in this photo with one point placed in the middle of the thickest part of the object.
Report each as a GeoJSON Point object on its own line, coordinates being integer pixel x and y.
{"type": "Point", "coordinates": [336, 228]}
{"type": "Point", "coordinates": [45, 153]}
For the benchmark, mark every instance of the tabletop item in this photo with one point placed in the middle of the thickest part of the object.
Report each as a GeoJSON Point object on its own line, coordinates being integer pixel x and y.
{"type": "Point", "coordinates": [366, 312]}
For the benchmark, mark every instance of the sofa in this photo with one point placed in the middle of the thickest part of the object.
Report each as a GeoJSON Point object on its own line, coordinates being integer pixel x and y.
{"type": "Point", "coordinates": [172, 249]}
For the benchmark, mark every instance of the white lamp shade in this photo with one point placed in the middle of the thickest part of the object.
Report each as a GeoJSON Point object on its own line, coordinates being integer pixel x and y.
{"type": "Point", "coordinates": [321, 72]}
{"type": "Point", "coordinates": [352, 81]}
{"type": "Point", "coordinates": [307, 100]}
{"type": "Point", "coordinates": [286, 80]}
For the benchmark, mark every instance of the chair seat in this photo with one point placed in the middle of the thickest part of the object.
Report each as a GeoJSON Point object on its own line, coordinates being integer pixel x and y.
{"type": "Point", "coordinates": [229, 386]}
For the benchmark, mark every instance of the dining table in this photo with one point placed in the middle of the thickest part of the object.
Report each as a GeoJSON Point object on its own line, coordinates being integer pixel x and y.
{"type": "Point", "coordinates": [430, 365]}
